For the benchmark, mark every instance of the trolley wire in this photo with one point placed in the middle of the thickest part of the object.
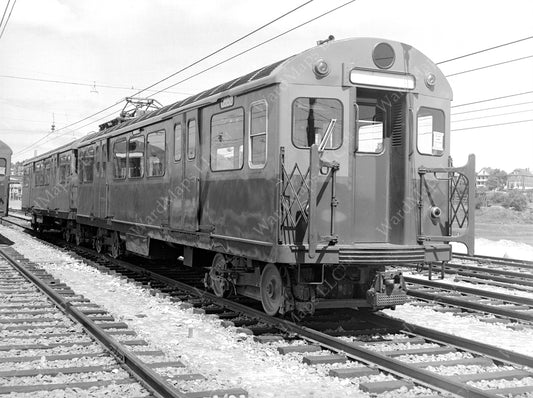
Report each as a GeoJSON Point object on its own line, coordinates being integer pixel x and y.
{"type": "Point", "coordinates": [161, 80]}
{"type": "Point", "coordinates": [493, 107]}
{"type": "Point", "coordinates": [493, 125]}
{"type": "Point", "coordinates": [209, 68]}
{"type": "Point", "coordinates": [490, 66]}
{"type": "Point", "coordinates": [223, 48]}
{"type": "Point", "coordinates": [80, 83]}
{"type": "Point", "coordinates": [489, 116]}
{"type": "Point", "coordinates": [8, 17]}
{"type": "Point", "coordinates": [260, 44]}
{"type": "Point", "coordinates": [484, 50]}
{"type": "Point", "coordinates": [493, 99]}
{"type": "Point", "coordinates": [5, 12]}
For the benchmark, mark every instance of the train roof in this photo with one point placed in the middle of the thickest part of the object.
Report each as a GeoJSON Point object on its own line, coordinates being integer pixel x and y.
{"type": "Point", "coordinates": [343, 55]}
{"type": "Point", "coordinates": [71, 145]}
{"type": "Point", "coordinates": [5, 149]}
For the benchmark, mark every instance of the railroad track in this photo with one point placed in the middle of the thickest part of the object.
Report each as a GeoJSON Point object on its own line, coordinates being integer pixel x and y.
{"type": "Point", "coordinates": [55, 340]}
{"type": "Point", "coordinates": [504, 306]}
{"type": "Point", "coordinates": [362, 347]}
{"type": "Point", "coordinates": [490, 260]}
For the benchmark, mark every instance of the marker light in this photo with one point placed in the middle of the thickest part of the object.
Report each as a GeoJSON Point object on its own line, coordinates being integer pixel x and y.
{"type": "Point", "coordinates": [321, 68]}
{"type": "Point", "coordinates": [431, 79]}
{"type": "Point", "coordinates": [381, 79]}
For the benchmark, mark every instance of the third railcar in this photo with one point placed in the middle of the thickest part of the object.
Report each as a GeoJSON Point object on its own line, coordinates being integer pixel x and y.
{"type": "Point", "coordinates": [296, 184]}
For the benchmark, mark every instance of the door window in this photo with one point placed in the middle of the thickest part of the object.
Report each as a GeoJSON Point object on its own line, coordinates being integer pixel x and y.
{"type": "Point", "coordinates": [156, 153]}
{"type": "Point", "coordinates": [191, 139]}
{"type": "Point", "coordinates": [317, 121]}
{"type": "Point", "coordinates": [136, 157]}
{"type": "Point", "coordinates": [370, 128]}
{"type": "Point", "coordinates": [227, 140]}
{"type": "Point", "coordinates": [430, 131]}
{"type": "Point", "coordinates": [257, 153]}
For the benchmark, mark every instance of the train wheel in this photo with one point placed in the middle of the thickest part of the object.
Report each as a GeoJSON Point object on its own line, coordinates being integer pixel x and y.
{"type": "Point", "coordinates": [98, 244]}
{"type": "Point", "coordinates": [77, 237]}
{"type": "Point", "coordinates": [217, 278]}
{"type": "Point", "coordinates": [116, 246]}
{"type": "Point", "coordinates": [271, 289]}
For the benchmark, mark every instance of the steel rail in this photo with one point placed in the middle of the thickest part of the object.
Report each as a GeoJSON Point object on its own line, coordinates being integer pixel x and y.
{"type": "Point", "coordinates": [354, 351]}
{"type": "Point", "coordinates": [499, 354]}
{"type": "Point", "coordinates": [492, 271]}
{"type": "Point", "coordinates": [469, 290]}
{"type": "Point", "coordinates": [523, 281]}
{"type": "Point", "coordinates": [512, 262]}
{"type": "Point", "coordinates": [137, 368]}
{"type": "Point", "coordinates": [517, 315]}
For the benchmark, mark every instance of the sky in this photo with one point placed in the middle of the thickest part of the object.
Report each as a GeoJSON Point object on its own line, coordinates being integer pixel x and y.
{"type": "Point", "coordinates": [93, 53]}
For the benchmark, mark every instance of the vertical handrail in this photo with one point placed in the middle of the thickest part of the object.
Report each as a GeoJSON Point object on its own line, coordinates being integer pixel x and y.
{"type": "Point", "coordinates": [314, 168]}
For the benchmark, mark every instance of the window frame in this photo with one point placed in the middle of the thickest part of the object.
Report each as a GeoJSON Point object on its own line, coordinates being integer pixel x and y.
{"type": "Point", "coordinates": [84, 152]}
{"type": "Point", "coordinates": [115, 142]}
{"type": "Point", "coordinates": [164, 131]}
{"type": "Point", "coordinates": [250, 164]}
{"type": "Point", "coordinates": [47, 173]}
{"type": "Point", "coordinates": [193, 119]}
{"type": "Point", "coordinates": [180, 124]}
{"type": "Point", "coordinates": [443, 132]}
{"type": "Point", "coordinates": [143, 161]}
{"type": "Point", "coordinates": [4, 166]}
{"type": "Point", "coordinates": [342, 124]}
{"type": "Point", "coordinates": [64, 163]}
{"type": "Point", "coordinates": [211, 137]}
{"type": "Point", "coordinates": [385, 124]}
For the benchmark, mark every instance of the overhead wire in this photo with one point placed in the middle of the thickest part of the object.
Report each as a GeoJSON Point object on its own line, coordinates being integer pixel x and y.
{"type": "Point", "coordinates": [80, 83]}
{"type": "Point", "coordinates": [493, 125]}
{"type": "Point", "coordinates": [8, 17]}
{"type": "Point", "coordinates": [484, 50]}
{"type": "Point", "coordinates": [260, 44]}
{"type": "Point", "coordinates": [490, 66]}
{"type": "Point", "coordinates": [492, 107]}
{"type": "Point", "coordinates": [220, 63]}
{"type": "Point", "coordinates": [492, 99]}
{"type": "Point", "coordinates": [489, 116]}
{"type": "Point", "coordinates": [5, 12]}
{"type": "Point", "coordinates": [173, 74]}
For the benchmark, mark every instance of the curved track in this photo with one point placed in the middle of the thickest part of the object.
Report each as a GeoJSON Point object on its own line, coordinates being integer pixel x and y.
{"type": "Point", "coordinates": [367, 344]}
{"type": "Point", "coordinates": [36, 314]}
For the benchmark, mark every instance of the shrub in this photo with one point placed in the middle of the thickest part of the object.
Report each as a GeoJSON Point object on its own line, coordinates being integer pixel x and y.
{"type": "Point", "coordinates": [516, 200]}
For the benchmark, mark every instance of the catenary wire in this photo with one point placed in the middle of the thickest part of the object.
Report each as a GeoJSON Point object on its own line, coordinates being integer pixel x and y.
{"type": "Point", "coordinates": [492, 107]}
{"type": "Point", "coordinates": [489, 116]}
{"type": "Point", "coordinates": [492, 125]}
{"type": "Point", "coordinates": [7, 20]}
{"type": "Point", "coordinates": [80, 84]}
{"type": "Point", "coordinates": [146, 88]}
{"type": "Point", "coordinates": [260, 44]}
{"type": "Point", "coordinates": [223, 48]}
{"type": "Point", "coordinates": [5, 12]}
{"type": "Point", "coordinates": [205, 70]}
{"type": "Point", "coordinates": [493, 99]}
{"type": "Point", "coordinates": [485, 50]}
{"type": "Point", "coordinates": [490, 66]}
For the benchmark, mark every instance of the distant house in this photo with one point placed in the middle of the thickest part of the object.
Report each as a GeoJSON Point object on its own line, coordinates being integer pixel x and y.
{"type": "Point", "coordinates": [482, 177]}
{"type": "Point", "coordinates": [520, 179]}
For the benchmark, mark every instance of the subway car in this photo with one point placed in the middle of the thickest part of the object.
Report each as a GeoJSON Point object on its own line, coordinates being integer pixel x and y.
{"type": "Point", "coordinates": [298, 184]}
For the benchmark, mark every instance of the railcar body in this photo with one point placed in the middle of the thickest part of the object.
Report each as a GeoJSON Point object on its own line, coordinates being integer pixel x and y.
{"type": "Point", "coordinates": [5, 172]}
{"type": "Point", "coordinates": [296, 184]}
